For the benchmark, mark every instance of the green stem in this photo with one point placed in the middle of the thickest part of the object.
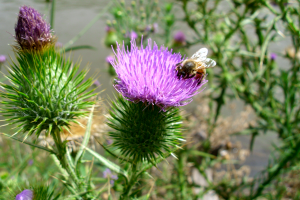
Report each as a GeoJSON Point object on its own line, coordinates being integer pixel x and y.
{"type": "Point", "coordinates": [52, 14]}
{"type": "Point", "coordinates": [88, 26]}
{"type": "Point", "coordinates": [182, 181]}
{"type": "Point", "coordinates": [62, 157]}
{"type": "Point", "coordinates": [131, 183]}
{"type": "Point", "coordinates": [277, 169]}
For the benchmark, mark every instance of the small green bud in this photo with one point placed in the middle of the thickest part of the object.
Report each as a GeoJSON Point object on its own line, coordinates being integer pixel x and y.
{"type": "Point", "coordinates": [108, 22]}
{"type": "Point", "coordinates": [143, 16]}
{"type": "Point", "coordinates": [143, 132]}
{"type": "Point", "coordinates": [218, 38]}
{"type": "Point", "coordinates": [169, 19]}
{"type": "Point", "coordinates": [240, 88]}
{"type": "Point", "coordinates": [120, 13]}
{"type": "Point", "coordinates": [133, 4]}
{"type": "Point", "coordinates": [228, 77]}
{"type": "Point", "coordinates": [111, 39]}
{"type": "Point", "coordinates": [168, 7]}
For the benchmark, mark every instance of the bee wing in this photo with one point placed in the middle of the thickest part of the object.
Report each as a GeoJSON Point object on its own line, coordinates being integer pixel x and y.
{"type": "Point", "coordinates": [200, 55]}
{"type": "Point", "coordinates": [207, 63]}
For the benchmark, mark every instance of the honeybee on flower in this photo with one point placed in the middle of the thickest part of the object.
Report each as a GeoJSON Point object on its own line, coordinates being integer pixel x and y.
{"type": "Point", "coordinates": [195, 66]}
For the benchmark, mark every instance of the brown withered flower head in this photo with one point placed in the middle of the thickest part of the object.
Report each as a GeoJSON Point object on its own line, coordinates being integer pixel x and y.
{"type": "Point", "coordinates": [32, 32]}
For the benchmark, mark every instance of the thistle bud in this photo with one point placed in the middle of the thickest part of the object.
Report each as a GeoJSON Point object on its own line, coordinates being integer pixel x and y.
{"type": "Point", "coordinates": [32, 32]}
{"type": "Point", "coordinates": [25, 195]}
{"type": "Point", "coordinates": [179, 37]}
{"type": "Point", "coordinates": [273, 56]}
{"type": "Point", "coordinates": [2, 59]}
{"type": "Point", "coordinates": [45, 93]}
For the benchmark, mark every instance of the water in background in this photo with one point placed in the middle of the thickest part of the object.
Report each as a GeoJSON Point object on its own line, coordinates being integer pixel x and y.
{"type": "Point", "coordinates": [70, 18]}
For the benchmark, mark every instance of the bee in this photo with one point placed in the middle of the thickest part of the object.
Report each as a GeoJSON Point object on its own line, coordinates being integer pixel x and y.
{"type": "Point", "coordinates": [195, 66]}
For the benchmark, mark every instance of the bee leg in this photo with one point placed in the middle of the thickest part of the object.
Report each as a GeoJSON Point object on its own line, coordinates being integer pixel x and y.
{"type": "Point", "coordinates": [200, 79]}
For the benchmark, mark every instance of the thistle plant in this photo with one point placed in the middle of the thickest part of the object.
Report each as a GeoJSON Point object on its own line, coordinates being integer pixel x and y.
{"type": "Point", "coordinates": [46, 94]}
{"type": "Point", "coordinates": [146, 120]}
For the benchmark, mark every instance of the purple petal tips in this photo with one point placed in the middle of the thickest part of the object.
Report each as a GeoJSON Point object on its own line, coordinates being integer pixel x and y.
{"type": "Point", "coordinates": [109, 59]}
{"type": "Point", "coordinates": [32, 31]}
{"type": "Point", "coordinates": [149, 75]}
{"type": "Point", "coordinates": [25, 195]}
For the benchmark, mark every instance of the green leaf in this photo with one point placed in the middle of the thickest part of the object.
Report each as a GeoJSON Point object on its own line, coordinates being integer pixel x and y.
{"type": "Point", "coordinates": [107, 162]}
{"type": "Point", "coordinates": [203, 154]}
{"type": "Point", "coordinates": [73, 48]}
{"type": "Point", "coordinates": [85, 139]}
{"type": "Point", "coordinates": [33, 145]}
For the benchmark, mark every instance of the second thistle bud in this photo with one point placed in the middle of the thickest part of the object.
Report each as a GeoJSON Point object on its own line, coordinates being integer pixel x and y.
{"type": "Point", "coordinates": [45, 93]}
{"type": "Point", "coordinates": [32, 32]}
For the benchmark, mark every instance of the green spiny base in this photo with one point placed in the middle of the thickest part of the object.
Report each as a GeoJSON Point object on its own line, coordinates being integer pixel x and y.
{"type": "Point", "coordinates": [45, 92]}
{"type": "Point", "coordinates": [141, 132]}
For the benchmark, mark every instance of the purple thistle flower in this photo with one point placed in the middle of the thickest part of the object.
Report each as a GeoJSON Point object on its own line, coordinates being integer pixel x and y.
{"type": "Point", "coordinates": [179, 37]}
{"type": "Point", "coordinates": [149, 75]}
{"type": "Point", "coordinates": [107, 174]}
{"type": "Point", "coordinates": [30, 162]}
{"type": "Point", "coordinates": [273, 56]}
{"type": "Point", "coordinates": [109, 141]}
{"type": "Point", "coordinates": [132, 35]}
{"type": "Point", "coordinates": [2, 59]}
{"type": "Point", "coordinates": [32, 31]}
{"type": "Point", "coordinates": [25, 195]}
{"type": "Point", "coordinates": [96, 83]}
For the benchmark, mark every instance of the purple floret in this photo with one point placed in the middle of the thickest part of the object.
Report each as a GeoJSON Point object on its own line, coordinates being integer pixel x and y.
{"type": "Point", "coordinates": [109, 59]}
{"type": "Point", "coordinates": [32, 31]}
{"type": "Point", "coordinates": [2, 59]}
{"type": "Point", "coordinates": [149, 75]}
{"type": "Point", "coordinates": [179, 37]}
{"type": "Point", "coordinates": [132, 35]}
{"type": "Point", "coordinates": [273, 56]}
{"type": "Point", "coordinates": [108, 174]}
{"type": "Point", "coordinates": [25, 195]}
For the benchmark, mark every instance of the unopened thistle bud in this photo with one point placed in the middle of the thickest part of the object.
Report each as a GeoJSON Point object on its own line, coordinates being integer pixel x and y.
{"type": "Point", "coordinates": [32, 32]}
{"type": "Point", "coordinates": [45, 93]}
{"type": "Point", "coordinates": [25, 195]}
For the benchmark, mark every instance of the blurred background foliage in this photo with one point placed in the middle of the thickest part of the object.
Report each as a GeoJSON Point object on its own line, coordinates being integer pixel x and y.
{"type": "Point", "coordinates": [257, 83]}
